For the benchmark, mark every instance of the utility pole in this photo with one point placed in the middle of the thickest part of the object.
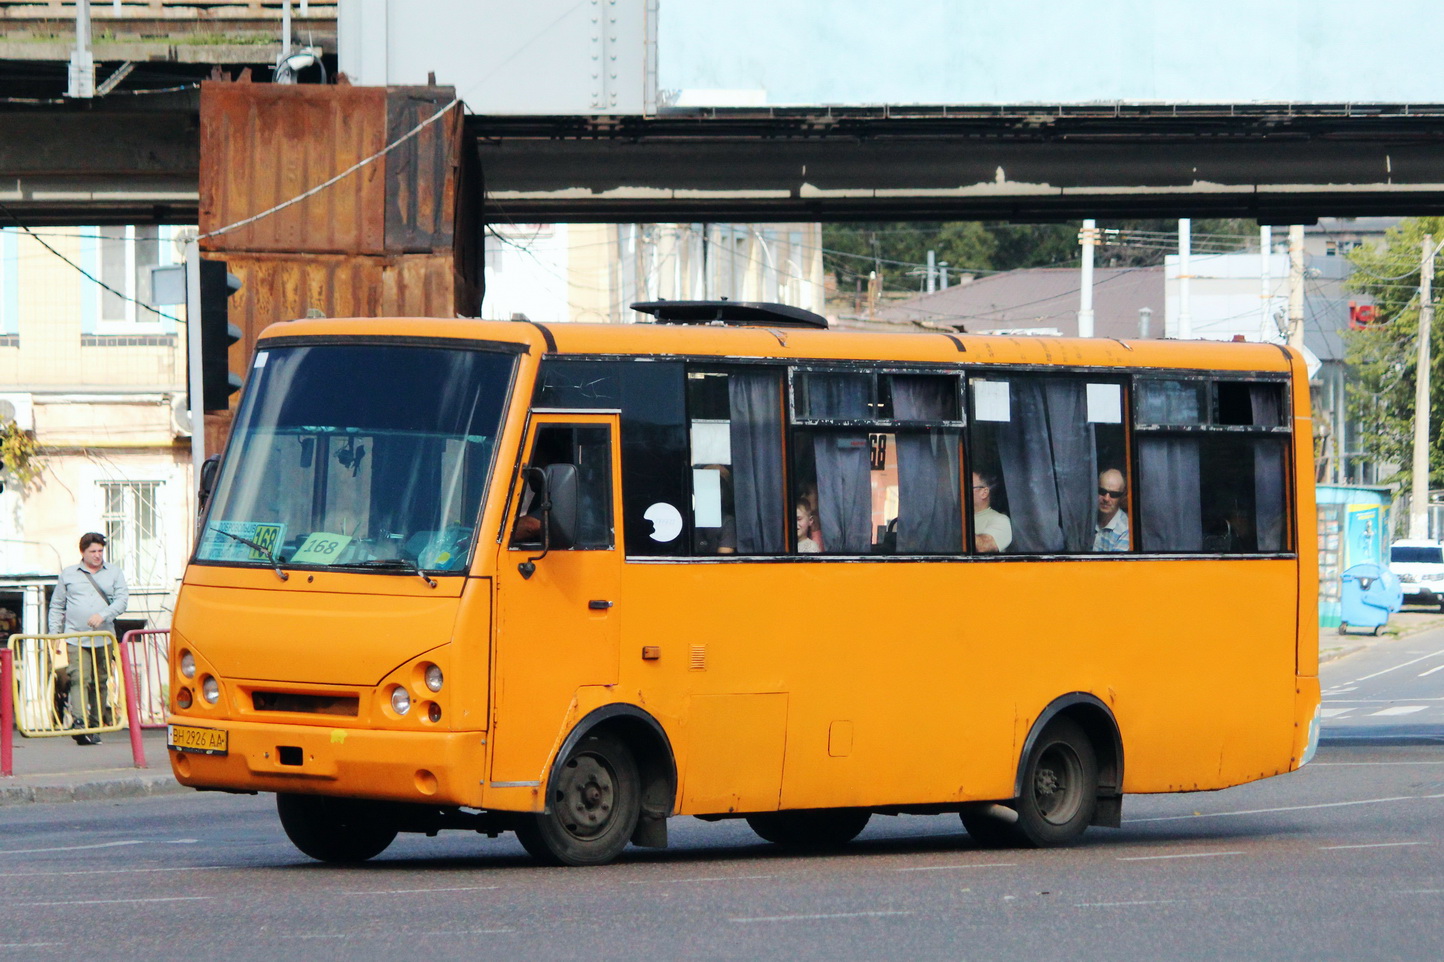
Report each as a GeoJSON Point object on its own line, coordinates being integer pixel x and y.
{"type": "Point", "coordinates": [1185, 274]}
{"type": "Point", "coordinates": [1088, 237]}
{"type": "Point", "coordinates": [1296, 286]}
{"type": "Point", "coordinates": [1419, 491]}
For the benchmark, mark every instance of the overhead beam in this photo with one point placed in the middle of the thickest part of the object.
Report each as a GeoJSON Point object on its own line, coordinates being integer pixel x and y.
{"type": "Point", "coordinates": [1277, 163]}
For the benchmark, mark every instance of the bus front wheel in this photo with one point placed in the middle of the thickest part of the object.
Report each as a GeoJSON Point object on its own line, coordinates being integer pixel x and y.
{"type": "Point", "coordinates": [1060, 787]}
{"type": "Point", "coordinates": [593, 803]}
{"type": "Point", "coordinates": [335, 829]}
{"type": "Point", "coordinates": [815, 829]}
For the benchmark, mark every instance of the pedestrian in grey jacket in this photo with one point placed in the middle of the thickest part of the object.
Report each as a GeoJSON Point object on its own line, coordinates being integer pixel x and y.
{"type": "Point", "coordinates": [89, 596]}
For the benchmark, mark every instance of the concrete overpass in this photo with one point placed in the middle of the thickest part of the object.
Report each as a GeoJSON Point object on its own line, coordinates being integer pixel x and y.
{"type": "Point", "coordinates": [134, 158]}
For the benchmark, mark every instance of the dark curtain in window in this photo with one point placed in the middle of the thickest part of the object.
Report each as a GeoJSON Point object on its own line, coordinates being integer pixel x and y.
{"type": "Point", "coordinates": [844, 485]}
{"type": "Point", "coordinates": [1268, 466]}
{"type": "Point", "coordinates": [756, 430]}
{"type": "Point", "coordinates": [1170, 494]}
{"type": "Point", "coordinates": [1050, 466]}
{"type": "Point", "coordinates": [929, 517]}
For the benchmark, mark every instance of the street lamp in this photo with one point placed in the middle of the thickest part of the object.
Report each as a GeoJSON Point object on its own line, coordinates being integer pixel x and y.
{"type": "Point", "coordinates": [1419, 490]}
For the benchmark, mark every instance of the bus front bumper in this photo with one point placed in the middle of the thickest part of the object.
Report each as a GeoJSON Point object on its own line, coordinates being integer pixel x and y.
{"type": "Point", "coordinates": [441, 768]}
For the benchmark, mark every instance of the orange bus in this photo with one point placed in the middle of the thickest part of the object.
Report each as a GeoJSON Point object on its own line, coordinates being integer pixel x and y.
{"type": "Point", "coordinates": [572, 580]}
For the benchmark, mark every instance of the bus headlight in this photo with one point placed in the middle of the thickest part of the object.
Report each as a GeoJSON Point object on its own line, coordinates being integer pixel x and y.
{"type": "Point", "coordinates": [210, 690]}
{"type": "Point", "coordinates": [400, 700]}
{"type": "Point", "coordinates": [188, 664]}
{"type": "Point", "coordinates": [433, 677]}
{"type": "Point", "coordinates": [433, 712]}
{"type": "Point", "coordinates": [183, 698]}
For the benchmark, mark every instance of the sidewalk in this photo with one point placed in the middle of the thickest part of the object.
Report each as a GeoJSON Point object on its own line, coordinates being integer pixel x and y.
{"type": "Point", "coordinates": [1410, 621]}
{"type": "Point", "coordinates": [55, 769]}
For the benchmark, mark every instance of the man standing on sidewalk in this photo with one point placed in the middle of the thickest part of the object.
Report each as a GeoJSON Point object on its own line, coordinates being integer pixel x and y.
{"type": "Point", "coordinates": [89, 596]}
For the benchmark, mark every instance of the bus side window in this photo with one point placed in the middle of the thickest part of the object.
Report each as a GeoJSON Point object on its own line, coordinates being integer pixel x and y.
{"type": "Point", "coordinates": [1221, 487]}
{"type": "Point", "coordinates": [735, 434]}
{"type": "Point", "coordinates": [1056, 444]}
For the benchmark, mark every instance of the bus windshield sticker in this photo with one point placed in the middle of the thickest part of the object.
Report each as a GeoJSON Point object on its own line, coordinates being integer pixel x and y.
{"type": "Point", "coordinates": [666, 521]}
{"type": "Point", "coordinates": [1105, 404]}
{"type": "Point", "coordinates": [990, 401]}
{"type": "Point", "coordinates": [320, 548]}
{"type": "Point", "coordinates": [217, 547]}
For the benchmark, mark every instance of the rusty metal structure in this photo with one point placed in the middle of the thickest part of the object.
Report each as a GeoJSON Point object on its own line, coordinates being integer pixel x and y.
{"type": "Point", "coordinates": [374, 231]}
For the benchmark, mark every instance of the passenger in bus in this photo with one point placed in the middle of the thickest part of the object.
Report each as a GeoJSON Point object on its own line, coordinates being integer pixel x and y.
{"type": "Point", "coordinates": [1111, 532]}
{"type": "Point", "coordinates": [992, 531]}
{"type": "Point", "coordinates": [809, 532]}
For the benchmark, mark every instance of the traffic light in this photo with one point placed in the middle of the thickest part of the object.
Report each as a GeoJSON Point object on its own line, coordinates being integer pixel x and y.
{"type": "Point", "coordinates": [218, 381]}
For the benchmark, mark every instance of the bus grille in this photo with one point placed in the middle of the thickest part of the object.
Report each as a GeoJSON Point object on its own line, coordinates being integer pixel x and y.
{"type": "Point", "coordinates": [308, 704]}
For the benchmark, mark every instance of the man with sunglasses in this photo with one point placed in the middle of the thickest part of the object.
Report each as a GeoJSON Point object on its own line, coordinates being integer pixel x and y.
{"type": "Point", "coordinates": [1111, 534]}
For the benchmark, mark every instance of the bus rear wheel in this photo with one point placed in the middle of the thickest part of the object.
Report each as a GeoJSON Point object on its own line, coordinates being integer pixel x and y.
{"type": "Point", "coordinates": [1060, 787]}
{"type": "Point", "coordinates": [824, 828]}
{"type": "Point", "coordinates": [593, 803]}
{"type": "Point", "coordinates": [335, 829]}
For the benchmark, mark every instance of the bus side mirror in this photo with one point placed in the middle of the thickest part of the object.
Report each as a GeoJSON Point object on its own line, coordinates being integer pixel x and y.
{"type": "Point", "coordinates": [561, 492]}
{"type": "Point", "coordinates": [209, 467]}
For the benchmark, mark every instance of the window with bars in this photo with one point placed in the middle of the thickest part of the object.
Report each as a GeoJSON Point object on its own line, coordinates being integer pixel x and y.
{"type": "Point", "coordinates": [133, 531]}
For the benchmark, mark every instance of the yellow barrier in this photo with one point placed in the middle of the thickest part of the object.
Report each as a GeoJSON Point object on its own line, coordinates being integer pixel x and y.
{"type": "Point", "coordinates": [63, 687]}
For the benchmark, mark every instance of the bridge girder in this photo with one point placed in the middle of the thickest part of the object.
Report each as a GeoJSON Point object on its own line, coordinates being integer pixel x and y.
{"type": "Point", "coordinates": [103, 162]}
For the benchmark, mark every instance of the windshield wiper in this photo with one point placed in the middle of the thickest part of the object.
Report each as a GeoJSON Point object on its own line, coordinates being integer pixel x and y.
{"type": "Point", "coordinates": [275, 562]}
{"type": "Point", "coordinates": [405, 564]}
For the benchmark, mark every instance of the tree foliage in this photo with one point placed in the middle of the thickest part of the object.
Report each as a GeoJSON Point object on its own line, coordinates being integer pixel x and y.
{"type": "Point", "coordinates": [19, 460]}
{"type": "Point", "coordinates": [898, 251]}
{"type": "Point", "coordinates": [1383, 358]}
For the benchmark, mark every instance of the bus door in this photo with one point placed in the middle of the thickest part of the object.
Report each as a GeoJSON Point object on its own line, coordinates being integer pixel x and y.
{"type": "Point", "coordinates": [557, 612]}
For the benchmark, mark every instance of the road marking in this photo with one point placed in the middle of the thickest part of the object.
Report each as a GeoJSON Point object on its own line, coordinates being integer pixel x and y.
{"type": "Point", "coordinates": [1366, 764]}
{"type": "Point", "coordinates": [1399, 710]}
{"type": "Point", "coordinates": [128, 871]}
{"type": "Point", "coordinates": [460, 888]}
{"type": "Point", "coordinates": [807, 918]}
{"type": "Point", "coordinates": [1331, 848]}
{"type": "Point", "coordinates": [1431, 670]}
{"type": "Point", "coordinates": [369, 935]}
{"type": "Point", "coordinates": [174, 898]}
{"type": "Point", "coordinates": [1335, 712]}
{"type": "Point", "coordinates": [1159, 858]}
{"type": "Point", "coordinates": [1412, 661]}
{"type": "Point", "coordinates": [1104, 905]}
{"type": "Point", "coordinates": [1286, 808]}
{"type": "Point", "coordinates": [707, 878]}
{"type": "Point", "coordinates": [946, 868]}
{"type": "Point", "coordinates": [68, 848]}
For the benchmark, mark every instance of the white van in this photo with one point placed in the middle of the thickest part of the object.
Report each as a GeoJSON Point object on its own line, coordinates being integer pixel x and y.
{"type": "Point", "coordinates": [1420, 567]}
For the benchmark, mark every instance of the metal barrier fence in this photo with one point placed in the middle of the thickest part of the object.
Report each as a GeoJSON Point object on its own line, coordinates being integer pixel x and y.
{"type": "Point", "coordinates": [63, 687]}
{"type": "Point", "coordinates": [149, 674]}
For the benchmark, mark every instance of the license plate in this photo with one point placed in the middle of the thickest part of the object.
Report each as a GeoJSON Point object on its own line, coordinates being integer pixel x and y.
{"type": "Point", "coordinates": [204, 741]}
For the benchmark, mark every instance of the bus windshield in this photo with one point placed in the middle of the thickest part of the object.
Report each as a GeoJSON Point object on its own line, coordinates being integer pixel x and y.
{"type": "Point", "coordinates": [359, 456]}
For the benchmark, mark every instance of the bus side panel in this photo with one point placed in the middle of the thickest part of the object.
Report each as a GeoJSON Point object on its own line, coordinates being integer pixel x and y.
{"type": "Point", "coordinates": [913, 683]}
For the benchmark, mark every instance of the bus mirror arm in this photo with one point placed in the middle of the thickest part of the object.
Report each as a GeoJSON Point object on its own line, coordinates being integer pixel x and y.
{"type": "Point", "coordinates": [209, 467]}
{"type": "Point", "coordinates": [558, 495]}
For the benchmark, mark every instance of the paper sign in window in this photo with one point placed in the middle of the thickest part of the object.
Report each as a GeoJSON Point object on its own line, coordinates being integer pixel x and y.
{"type": "Point", "coordinates": [711, 442]}
{"type": "Point", "coordinates": [991, 402]}
{"type": "Point", "coordinates": [320, 548]}
{"type": "Point", "coordinates": [1105, 404]}
{"type": "Point", "coordinates": [707, 497]}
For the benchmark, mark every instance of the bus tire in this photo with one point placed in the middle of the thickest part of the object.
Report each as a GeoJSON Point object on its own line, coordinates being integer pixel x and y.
{"type": "Point", "coordinates": [817, 829]}
{"type": "Point", "coordinates": [593, 802]}
{"type": "Point", "coordinates": [335, 829]}
{"type": "Point", "coordinates": [1060, 787]}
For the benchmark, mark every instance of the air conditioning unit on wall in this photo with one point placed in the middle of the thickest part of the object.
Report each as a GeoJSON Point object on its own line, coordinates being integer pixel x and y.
{"type": "Point", "coordinates": [180, 416]}
{"type": "Point", "coordinates": [19, 408]}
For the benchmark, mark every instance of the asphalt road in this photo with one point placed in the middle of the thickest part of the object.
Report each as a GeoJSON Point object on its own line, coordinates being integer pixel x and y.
{"type": "Point", "coordinates": [1338, 861]}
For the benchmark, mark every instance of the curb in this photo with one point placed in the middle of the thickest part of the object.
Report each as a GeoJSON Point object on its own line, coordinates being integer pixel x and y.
{"type": "Point", "coordinates": [65, 789]}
